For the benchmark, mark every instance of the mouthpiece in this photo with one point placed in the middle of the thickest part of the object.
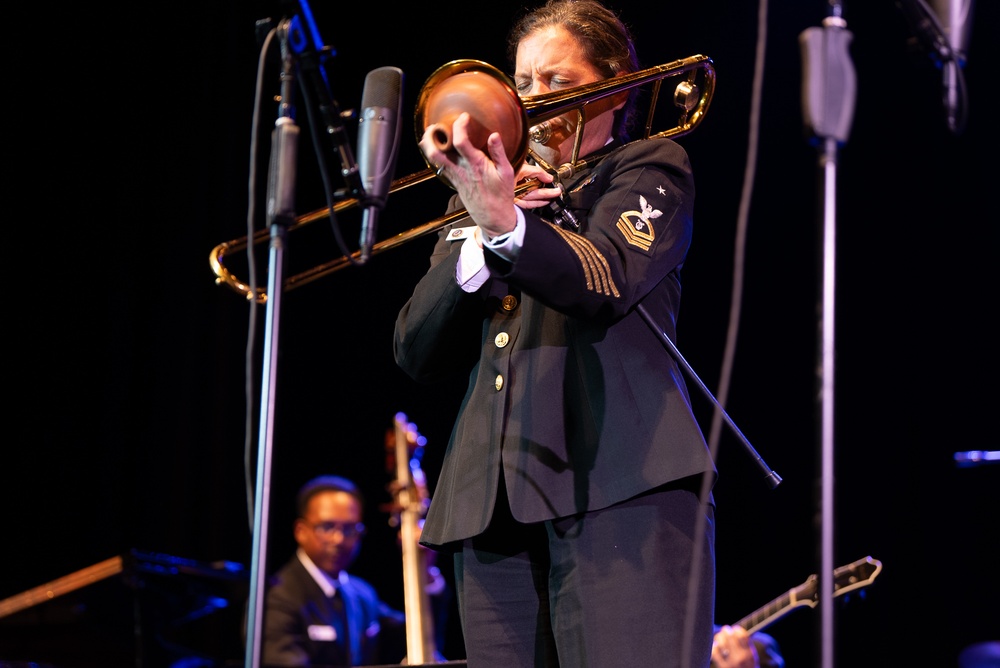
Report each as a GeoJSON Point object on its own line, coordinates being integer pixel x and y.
{"type": "Point", "coordinates": [541, 133]}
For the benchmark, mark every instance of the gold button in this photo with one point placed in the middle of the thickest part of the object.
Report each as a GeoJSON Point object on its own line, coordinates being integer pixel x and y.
{"type": "Point", "coordinates": [499, 382]}
{"type": "Point", "coordinates": [509, 303]}
{"type": "Point", "coordinates": [501, 340]}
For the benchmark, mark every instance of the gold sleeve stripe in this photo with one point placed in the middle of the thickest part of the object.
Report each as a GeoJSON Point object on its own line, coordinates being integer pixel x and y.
{"type": "Point", "coordinates": [595, 265]}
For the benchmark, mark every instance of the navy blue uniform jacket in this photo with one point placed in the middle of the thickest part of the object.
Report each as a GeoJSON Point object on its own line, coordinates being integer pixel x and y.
{"type": "Point", "coordinates": [570, 391]}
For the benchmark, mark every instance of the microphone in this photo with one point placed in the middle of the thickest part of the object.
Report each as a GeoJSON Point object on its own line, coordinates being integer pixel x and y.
{"type": "Point", "coordinates": [955, 17]}
{"type": "Point", "coordinates": [378, 143]}
{"type": "Point", "coordinates": [942, 28]}
{"type": "Point", "coordinates": [977, 457]}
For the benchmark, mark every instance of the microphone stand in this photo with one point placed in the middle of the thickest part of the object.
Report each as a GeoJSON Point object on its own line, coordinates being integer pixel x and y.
{"type": "Point", "coordinates": [828, 106]}
{"type": "Point", "coordinates": [770, 476]}
{"type": "Point", "coordinates": [281, 213]}
{"type": "Point", "coordinates": [307, 45]}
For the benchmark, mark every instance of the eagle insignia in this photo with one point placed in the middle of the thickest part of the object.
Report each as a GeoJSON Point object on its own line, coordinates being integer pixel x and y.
{"type": "Point", "coordinates": [635, 226]}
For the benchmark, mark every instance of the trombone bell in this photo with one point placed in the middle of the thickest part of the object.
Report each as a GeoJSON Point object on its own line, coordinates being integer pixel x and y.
{"type": "Point", "coordinates": [486, 93]}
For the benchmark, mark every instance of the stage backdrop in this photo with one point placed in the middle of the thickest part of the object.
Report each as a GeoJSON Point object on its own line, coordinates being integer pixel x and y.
{"type": "Point", "coordinates": [135, 385]}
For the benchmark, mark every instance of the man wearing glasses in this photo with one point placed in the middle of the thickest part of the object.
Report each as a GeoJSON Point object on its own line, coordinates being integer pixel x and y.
{"type": "Point", "coordinates": [316, 614]}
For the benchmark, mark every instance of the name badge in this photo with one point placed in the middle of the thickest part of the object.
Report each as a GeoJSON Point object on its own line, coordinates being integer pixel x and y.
{"type": "Point", "coordinates": [322, 633]}
{"type": "Point", "coordinates": [461, 233]}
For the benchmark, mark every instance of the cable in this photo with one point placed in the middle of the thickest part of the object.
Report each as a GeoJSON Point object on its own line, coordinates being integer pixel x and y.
{"type": "Point", "coordinates": [252, 325]}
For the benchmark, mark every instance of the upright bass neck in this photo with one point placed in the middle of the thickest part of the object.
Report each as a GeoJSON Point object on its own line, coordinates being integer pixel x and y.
{"type": "Point", "coordinates": [411, 498]}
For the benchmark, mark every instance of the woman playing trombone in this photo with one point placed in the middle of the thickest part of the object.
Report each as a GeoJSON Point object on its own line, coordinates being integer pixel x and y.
{"type": "Point", "coordinates": [570, 489]}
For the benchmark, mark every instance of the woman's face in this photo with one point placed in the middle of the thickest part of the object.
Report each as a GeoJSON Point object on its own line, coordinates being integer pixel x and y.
{"type": "Point", "coordinates": [552, 59]}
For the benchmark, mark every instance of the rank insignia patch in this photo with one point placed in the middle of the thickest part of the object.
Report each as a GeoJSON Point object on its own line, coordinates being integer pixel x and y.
{"type": "Point", "coordinates": [635, 225]}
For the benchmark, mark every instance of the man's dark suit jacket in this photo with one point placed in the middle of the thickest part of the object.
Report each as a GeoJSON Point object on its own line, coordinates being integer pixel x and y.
{"type": "Point", "coordinates": [303, 627]}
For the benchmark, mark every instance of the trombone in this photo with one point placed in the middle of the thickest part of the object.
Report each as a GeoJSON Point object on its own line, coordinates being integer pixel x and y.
{"type": "Point", "coordinates": [491, 99]}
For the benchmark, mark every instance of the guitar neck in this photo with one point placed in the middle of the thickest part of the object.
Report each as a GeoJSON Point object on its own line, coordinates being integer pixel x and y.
{"type": "Point", "coordinates": [856, 575]}
{"type": "Point", "coordinates": [768, 614]}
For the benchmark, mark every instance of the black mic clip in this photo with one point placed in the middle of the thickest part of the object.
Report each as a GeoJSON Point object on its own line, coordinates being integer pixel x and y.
{"type": "Point", "coordinates": [562, 216]}
{"type": "Point", "coordinates": [929, 33]}
{"type": "Point", "coordinates": [312, 56]}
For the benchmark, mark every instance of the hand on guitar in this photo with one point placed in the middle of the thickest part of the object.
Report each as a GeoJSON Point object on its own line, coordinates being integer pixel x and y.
{"type": "Point", "coordinates": [732, 648]}
{"type": "Point", "coordinates": [435, 580]}
{"type": "Point", "coordinates": [744, 645]}
{"type": "Point", "coordinates": [435, 583]}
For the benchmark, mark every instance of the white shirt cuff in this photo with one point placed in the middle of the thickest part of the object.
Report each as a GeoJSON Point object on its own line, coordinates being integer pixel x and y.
{"type": "Point", "coordinates": [509, 245]}
{"type": "Point", "coordinates": [472, 271]}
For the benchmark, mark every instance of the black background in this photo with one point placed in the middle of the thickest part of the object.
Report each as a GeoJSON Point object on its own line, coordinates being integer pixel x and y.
{"type": "Point", "coordinates": [129, 161]}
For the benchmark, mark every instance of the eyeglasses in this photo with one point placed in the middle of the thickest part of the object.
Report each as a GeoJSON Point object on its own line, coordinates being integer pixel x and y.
{"type": "Point", "coordinates": [348, 530]}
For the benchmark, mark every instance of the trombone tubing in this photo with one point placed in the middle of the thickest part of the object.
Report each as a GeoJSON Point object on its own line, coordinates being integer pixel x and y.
{"type": "Point", "coordinates": [538, 108]}
{"type": "Point", "coordinates": [223, 275]}
{"type": "Point", "coordinates": [556, 103]}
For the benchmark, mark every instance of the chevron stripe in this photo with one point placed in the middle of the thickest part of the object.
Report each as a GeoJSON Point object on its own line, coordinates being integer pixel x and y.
{"type": "Point", "coordinates": [632, 235]}
{"type": "Point", "coordinates": [595, 266]}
